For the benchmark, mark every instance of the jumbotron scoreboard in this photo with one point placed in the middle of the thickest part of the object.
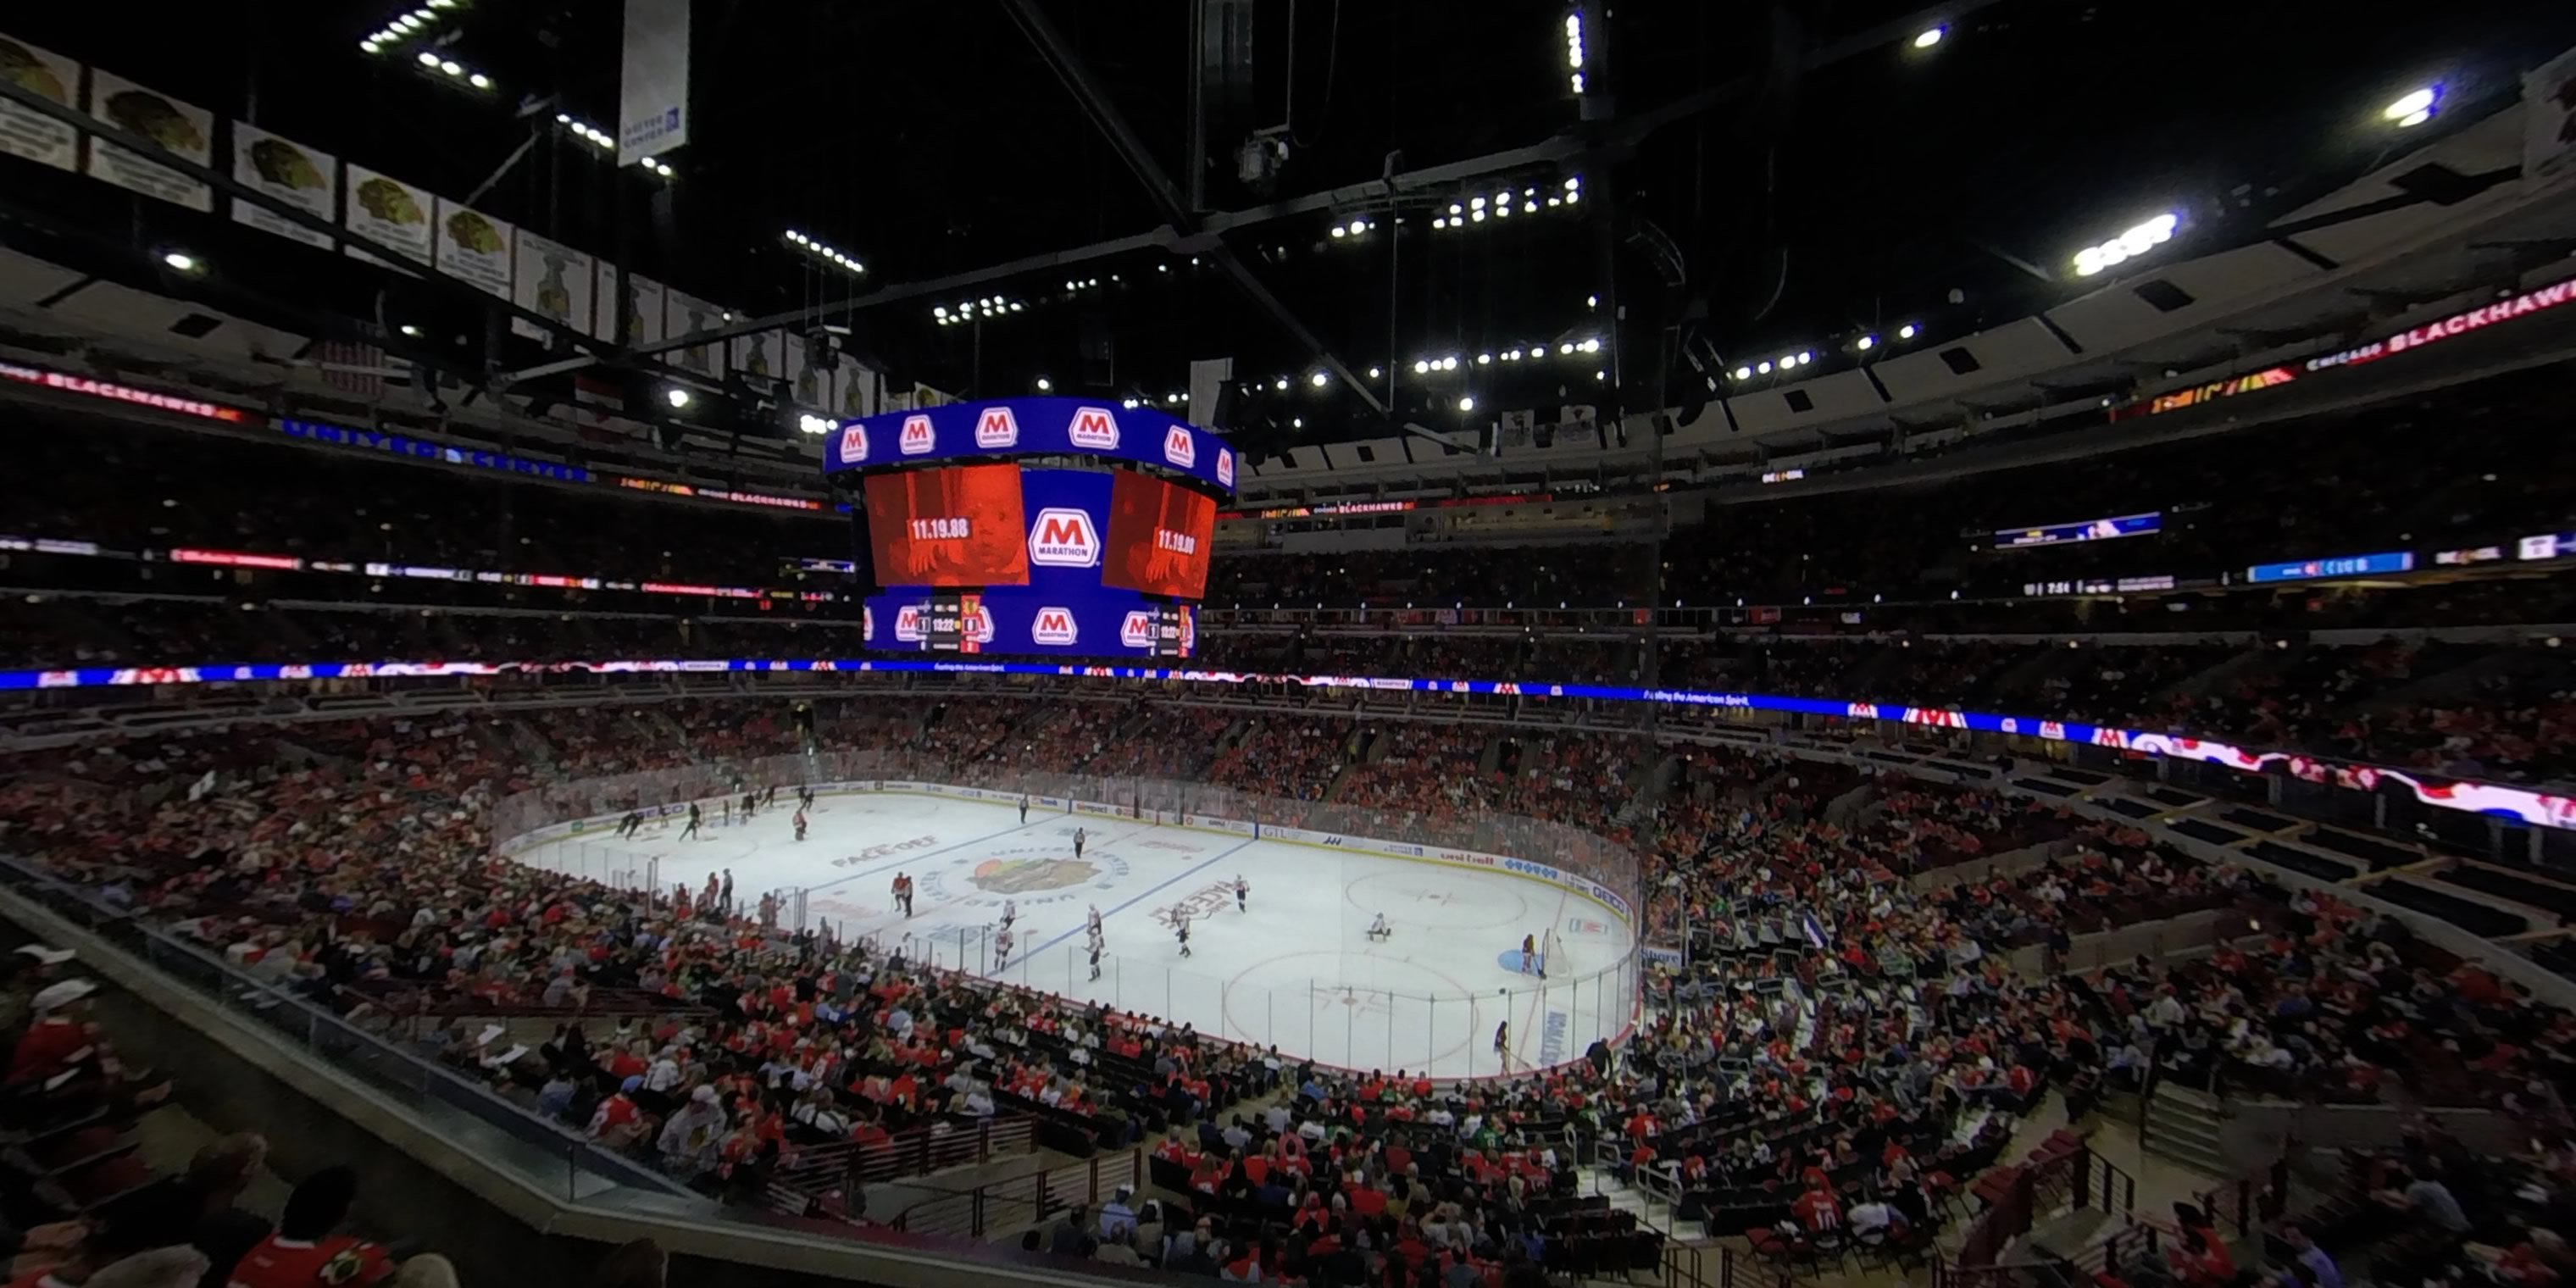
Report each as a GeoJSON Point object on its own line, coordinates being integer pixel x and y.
{"type": "Point", "coordinates": [1033, 525]}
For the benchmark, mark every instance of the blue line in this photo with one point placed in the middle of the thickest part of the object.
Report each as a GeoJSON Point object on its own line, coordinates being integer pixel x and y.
{"type": "Point", "coordinates": [1182, 875]}
{"type": "Point", "coordinates": [916, 858]}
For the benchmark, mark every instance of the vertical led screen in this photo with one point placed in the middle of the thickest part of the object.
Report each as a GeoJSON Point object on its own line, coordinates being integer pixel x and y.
{"type": "Point", "coordinates": [1160, 537]}
{"type": "Point", "coordinates": [956, 525]}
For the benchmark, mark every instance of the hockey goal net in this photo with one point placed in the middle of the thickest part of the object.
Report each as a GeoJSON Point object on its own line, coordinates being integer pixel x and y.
{"type": "Point", "coordinates": [1539, 953]}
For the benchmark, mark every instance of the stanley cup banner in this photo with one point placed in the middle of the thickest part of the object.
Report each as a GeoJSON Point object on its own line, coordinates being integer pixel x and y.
{"type": "Point", "coordinates": [552, 280]}
{"type": "Point", "coordinates": [33, 135]}
{"type": "Point", "coordinates": [2549, 104]}
{"type": "Point", "coordinates": [653, 89]}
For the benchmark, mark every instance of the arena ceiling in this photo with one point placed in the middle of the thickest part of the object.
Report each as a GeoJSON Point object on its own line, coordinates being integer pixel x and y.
{"type": "Point", "coordinates": [1778, 178]}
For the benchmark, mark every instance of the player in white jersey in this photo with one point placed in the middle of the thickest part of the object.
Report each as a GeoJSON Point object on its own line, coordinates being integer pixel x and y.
{"type": "Point", "coordinates": [1242, 893]}
{"type": "Point", "coordinates": [1378, 929]}
{"type": "Point", "coordinates": [1181, 927]}
{"type": "Point", "coordinates": [1010, 912]}
{"type": "Point", "coordinates": [1002, 949]}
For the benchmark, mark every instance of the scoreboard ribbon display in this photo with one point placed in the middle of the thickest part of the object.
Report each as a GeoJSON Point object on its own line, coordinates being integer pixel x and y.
{"type": "Point", "coordinates": [1031, 427]}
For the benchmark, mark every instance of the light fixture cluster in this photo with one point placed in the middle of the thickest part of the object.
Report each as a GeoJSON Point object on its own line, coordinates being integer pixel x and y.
{"type": "Point", "coordinates": [1451, 362]}
{"type": "Point", "coordinates": [1169, 400]}
{"type": "Point", "coordinates": [824, 252]}
{"type": "Point", "coordinates": [654, 165]}
{"type": "Point", "coordinates": [405, 27]}
{"type": "Point", "coordinates": [1500, 205]}
{"type": "Point", "coordinates": [1789, 362]}
{"type": "Point", "coordinates": [2128, 245]}
{"type": "Point", "coordinates": [816, 425]}
{"type": "Point", "coordinates": [975, 310]}
{"type": "Point", "coordinates": [1355, 228]}
{"type": "Point", "coordinates": [431, 60]}
{"type": "Point", "coordinates": [1574, 48]}
{"type": "Point", "coordinates": [586, 132]}
{"type": "Point", "coordinates": [2414, 109]}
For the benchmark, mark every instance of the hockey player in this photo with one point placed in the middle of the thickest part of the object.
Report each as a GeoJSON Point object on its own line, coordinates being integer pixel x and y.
{"type": "Point", "coordinates": [1095, 921]}
{"type": "Point", "coordinates": [750, 805]}
{"type": "Point", "coordinates": [728, 818]}
{"type": "Point", "coordinates": [627, 826]}
{"type": "Point", "coordinates": [903, 892]}
{"type": "Point", "coordinates": [1378, 929]}
{"type": "Point", "coordinates": [1010, 912]}
{"type": "Point", "coordinates": [805, 798]}
{"type": "Point", "coordinates": [1242, 893]}
{"type": "Point", "coordinates": [1078, 838]}
{"type": "Point", "coordinates": [1002, 949]}
{"type": "Point", "coordinates": [1181, 927]}
{"type": "Point", "coordinates": [800, 823]}
{"type": "Point", "coordinates": [1095, 958]}
{"type": "Point", "coordinates": [1529, 954]}
{"type": "Point", "coordinates": [1503, 1041]}
{"type": "Point", "coordinates": [696, 817]}
{"type": "Point", "coordinates": [1024, 809]}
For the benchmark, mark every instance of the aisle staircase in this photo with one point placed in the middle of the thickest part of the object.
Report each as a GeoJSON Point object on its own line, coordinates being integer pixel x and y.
{"type": "Point", "coordinates": [2183, 1124]}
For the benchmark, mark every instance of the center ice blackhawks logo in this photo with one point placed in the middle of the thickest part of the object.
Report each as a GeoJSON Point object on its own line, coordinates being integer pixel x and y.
{"type": "Point", "coordinates": [1031, 876]}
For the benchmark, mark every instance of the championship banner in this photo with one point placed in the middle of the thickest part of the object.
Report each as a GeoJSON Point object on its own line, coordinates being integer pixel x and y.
{"type": "Point", "coordinates": [2549, 126]}
{"type": "Point", "coordinates": [292, 175]}
{"type": "Point", "coordinates": [644, 301]}
{"type": "Point", "coordinates": [854, 389]}
{"type": "Point", "coordinates": [176, 126]}
{"type": "Point", "coordinates": [390, 213]}
{"type": "Point", "coordinates": [24, 133]}
{"type": "Point", "coordinates": [653, 82]}
{"type": "Point", "coordinates": [807, 384]}
{"type": "Point", "coordinates": [474, 248]}
{"type": "Point", "coordinates": [552, 280]}
{"type": "Point", "coordinates": [687, 315]}
{"type": "Point", "coordinates": [759, 357]}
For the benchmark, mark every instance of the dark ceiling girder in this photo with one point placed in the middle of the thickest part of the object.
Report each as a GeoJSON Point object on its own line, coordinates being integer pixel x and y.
{"type": "Point", "coordinates": [1123, 139]}
{"type": "Point", "coordinates": [224, 183]}
{"type": "Point", "coordinates": [1557, 149]}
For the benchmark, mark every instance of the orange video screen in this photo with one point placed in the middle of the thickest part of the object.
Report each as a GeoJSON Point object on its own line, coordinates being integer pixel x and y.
{"type": "Point", "coordinates": [956, 525]}
{"type": "Point", "coordinates": [1161, 536]}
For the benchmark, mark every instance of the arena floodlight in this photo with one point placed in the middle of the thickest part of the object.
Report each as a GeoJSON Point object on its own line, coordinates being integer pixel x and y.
{"type": "Point", "coordinates": [1421, 366]}
{"type": "Point", "coordinates": [2138, 240]}
{"type": "Point", "coordinates": [1763, 366]}
{"type": "Point", "coordinates": [1320, 379]}
{"type": "Point", "coordinates": [1375, 372]}
{"type": "Point", "coordinates": [1045, 385]}
{"type": "Point", "coordinates": [676, 396]}
{"type": "Point", "coordinates": [1865, 343]}
{"type": "Point", "coordinates": [1930, 36]}
{"type": "Point", "coordinates": [1744, 373]}
{"type": "Point", "coordinates": [2414, 108]}
{"type": "Point", "coordinates": [1466, 402]}
{"type": "Point", "coordinates": [1905, 332]}
{"type": "Point", "coordinates": [180, 261]}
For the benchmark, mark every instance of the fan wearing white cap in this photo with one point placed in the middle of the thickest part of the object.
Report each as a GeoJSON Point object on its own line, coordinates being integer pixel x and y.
{"type": "Point", "coordinates": [60, 1039]}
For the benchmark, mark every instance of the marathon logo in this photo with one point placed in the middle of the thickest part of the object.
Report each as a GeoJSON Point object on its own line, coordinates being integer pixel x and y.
{"type": "Point", "coordinates": [907, 624]}
{"type": "Point", "coordinates": [918, 439]}
{"type": "Point", "coordinates": [1225, 466]}
{"type": "Point", "coordinates": [1138, 630]}
{"type": "Point", "coordinates": [854, 444]}
{"type": "Point", "coordinates": [1095, 428]}
{"type": "Point", "coordinates": [1054, 626]}
{"type": "Point", "coordinates": [1180, 449]}
{"type": "Point", "coordinates": [867, 624]}
{"type": "Point", "coordinates": [1064, 538]}
{"type": "Point", "coordinates": [997, 429]}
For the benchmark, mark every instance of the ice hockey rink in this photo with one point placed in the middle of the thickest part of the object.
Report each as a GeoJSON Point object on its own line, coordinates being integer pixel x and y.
{"type": "Point", "coordinates": [1295, 968]}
